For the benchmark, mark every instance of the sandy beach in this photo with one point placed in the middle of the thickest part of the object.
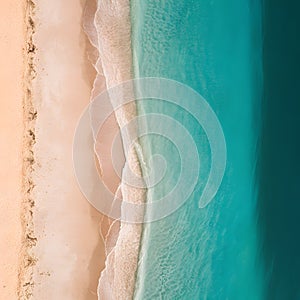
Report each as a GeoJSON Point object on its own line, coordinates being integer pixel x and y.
{"type": "Point", "coordinates": [69, 249]}
{"type": "Point", "coordinates": [47, 80]}
{"type": "Point", "coordinates": [12, 41]}
{"type": "Point", "coordinates": [50, 242]}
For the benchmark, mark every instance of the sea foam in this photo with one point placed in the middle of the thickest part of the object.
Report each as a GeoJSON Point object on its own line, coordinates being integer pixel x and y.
{"type": "Point", "coordinates": [107, 24]}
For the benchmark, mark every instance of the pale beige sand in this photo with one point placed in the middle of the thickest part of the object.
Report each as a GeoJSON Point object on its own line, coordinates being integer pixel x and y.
{"type": "Point", "coordinates": [12, 38]}
{"type": "Point", "coordinates": [69, 250]}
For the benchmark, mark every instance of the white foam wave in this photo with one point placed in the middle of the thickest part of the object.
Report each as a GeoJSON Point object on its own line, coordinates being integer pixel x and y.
{"type": "Point", "coordinates": [107, 23]}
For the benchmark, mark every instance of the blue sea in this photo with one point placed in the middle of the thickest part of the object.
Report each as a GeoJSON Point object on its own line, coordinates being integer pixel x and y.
{"type": "Point", "coordinates": [224, 250]}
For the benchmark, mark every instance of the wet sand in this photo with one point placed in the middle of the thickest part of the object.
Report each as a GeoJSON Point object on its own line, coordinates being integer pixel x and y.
{"type": "Point", "coordinates": [113, 33]}
{"type": "Point", "coordinates": [12, 37]}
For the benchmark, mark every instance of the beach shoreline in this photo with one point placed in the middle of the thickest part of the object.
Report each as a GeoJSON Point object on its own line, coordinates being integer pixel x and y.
{"type": "Point", "coordinates": [52, 227]}
{"type": "Point", "coordinates": [111, 36]}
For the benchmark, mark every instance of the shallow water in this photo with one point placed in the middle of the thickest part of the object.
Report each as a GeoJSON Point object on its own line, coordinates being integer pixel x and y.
{"type": "Point", "coordinates": [215, 48]}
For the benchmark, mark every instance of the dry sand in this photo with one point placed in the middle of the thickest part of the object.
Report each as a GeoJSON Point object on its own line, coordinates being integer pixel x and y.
{"type": "Point", "coordinates": [49, 234]}
{"type": "Point", "coordinates": [69, 249]}
{"type": "Point", "coordinates": [12, 37]}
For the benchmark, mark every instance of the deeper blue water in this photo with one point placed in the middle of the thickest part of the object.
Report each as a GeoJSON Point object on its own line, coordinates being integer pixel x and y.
{"type": "Point", "coordinates": [215, 47]}
{"type": "Point", "coordinates": [279, 147]}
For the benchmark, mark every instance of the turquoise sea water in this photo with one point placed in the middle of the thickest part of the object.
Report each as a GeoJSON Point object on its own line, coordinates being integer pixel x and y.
{"type": "Point", "coordinates": [215, 47]}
